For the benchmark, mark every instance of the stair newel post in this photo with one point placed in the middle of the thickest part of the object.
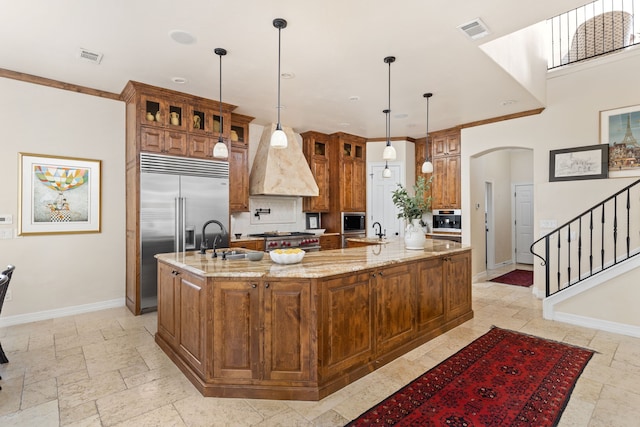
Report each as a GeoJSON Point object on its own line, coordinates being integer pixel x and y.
{"type": "Point", "coordinates": [547, 269]}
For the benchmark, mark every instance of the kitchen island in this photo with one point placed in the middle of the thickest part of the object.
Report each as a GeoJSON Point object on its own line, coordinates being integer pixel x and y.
{"type": "Point", "coordinates": [256, 329]}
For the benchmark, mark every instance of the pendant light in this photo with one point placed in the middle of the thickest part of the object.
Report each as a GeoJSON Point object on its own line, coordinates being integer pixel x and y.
{"type": "Point", "coordinates": [427, 166]}
{"type": "Point", "coordinates": [386, 173]}
{"type": "Point", "coordinates": [278, 137]}
{"type": "Point", "coordinates": [220, 150]}
{"type": "Point", "coordinates": [389, 152]}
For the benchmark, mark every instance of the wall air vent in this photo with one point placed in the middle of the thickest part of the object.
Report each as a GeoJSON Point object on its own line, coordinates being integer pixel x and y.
{"type": "Point", "coordinates": [87, 55]}
{"type": "Point", "coordinates": [475, 29]}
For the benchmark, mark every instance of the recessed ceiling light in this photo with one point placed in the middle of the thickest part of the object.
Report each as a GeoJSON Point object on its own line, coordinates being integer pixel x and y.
{"type": "Point", "coordinates": [401, 116]}
{"type": "Point", "coordinates": [287, 75]}
{"type": "Point", "coordinates": [182, 37]}
{"type": "Point", "coordinates": [508, 102]}
{"type": "Point", "coordinates": [354, 98]}
{"type": "Point", "coordinates": [179, 80]}
{"type": "Point", "coordinates": [345, 124]}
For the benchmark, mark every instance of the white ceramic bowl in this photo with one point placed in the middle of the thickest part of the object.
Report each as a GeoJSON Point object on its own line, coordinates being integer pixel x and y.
{"type": "Point", "coordinates": [280, 256]}
{"type": "Point", "coordinates": [316, 231]}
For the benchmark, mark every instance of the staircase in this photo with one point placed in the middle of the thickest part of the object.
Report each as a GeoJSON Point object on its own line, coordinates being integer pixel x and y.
{"type": "Point", "coordinates": [594, 247]}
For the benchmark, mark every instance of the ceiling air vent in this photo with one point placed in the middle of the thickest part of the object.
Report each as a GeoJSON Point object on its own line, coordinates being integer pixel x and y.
{"type": "Point", "coordinates": [90, 56]}
{"type": "Point", "coordinates": [474, 29]}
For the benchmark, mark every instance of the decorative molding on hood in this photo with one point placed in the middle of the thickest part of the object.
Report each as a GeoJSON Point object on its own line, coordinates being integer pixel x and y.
{"type": "Point", "coordinates": [281, 171]}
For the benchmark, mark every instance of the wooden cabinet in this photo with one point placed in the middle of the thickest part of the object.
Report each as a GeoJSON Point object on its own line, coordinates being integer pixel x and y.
{"type": "Point", "coordinates": [317, 150]}
{"type": "Point", "coordinates": [445, 187]}
{"type": "Point", "coordinates": [395, 293]}
{"type": "Point", "coordinates": [253, 244]}
{"type": "Point", "coordinates": [182, 312]}
{"type": "Point", "coordinates": [239, 163]}
{"type": "Point", "coordinates": [304, 338]}
{"type": "Point", "coordinates": [261, 330]}
{"type": "Point", "coordinates": [171, 123]}
{"type": "Point", "coordinates": [352, 179]}
{"type": "Point", "coordinates": [457, 277]}
{"type": "Point", "coordinates": [422, 148]}
{"type": "Point", "coordinates": [347, 322]}
{"type": "Point", "coordinates": [330, 241]}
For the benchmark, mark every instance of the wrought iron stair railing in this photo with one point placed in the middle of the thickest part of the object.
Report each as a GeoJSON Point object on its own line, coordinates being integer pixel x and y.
{"type": "Point", "coordinates": [592, 242]}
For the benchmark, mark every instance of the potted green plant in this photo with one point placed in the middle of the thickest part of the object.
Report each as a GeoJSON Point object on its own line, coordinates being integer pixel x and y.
{"type": "Point", "coordinates": [412, 208]}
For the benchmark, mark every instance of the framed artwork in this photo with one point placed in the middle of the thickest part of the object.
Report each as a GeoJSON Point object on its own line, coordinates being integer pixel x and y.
{"type": "Point", "coordinates": [620, 130]}
{"type": "Point", "coordinates": [59, 195]}
{"type": "Point", "coordinates": [589, 162]}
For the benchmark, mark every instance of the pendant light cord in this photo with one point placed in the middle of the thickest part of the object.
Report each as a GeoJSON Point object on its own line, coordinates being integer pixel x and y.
{"type": "Point", "coordinates": [220, 135]}
{"type": "Point", "coordinates": [279, 48]}
{"type": "Point", "coordinates": [426, 141]}
{"type": "Point", "coordinates": [389, 108]}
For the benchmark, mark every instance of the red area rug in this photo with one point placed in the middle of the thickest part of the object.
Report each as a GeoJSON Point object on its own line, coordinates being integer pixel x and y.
{"type": "Point", "coordinates": [516, 277]}
{"type": "Point", "coordinates": [503, 378]}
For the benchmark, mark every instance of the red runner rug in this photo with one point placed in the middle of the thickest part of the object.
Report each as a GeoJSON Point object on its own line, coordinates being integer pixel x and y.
{"type": "Point", "coordinates": [503, 378]}
{"type": "Point", "coordinates": [516, 277]}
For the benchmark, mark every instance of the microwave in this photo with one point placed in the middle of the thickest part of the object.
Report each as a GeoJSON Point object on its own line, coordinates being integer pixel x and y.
{"type": "Point", "coordinates": [353, 222]}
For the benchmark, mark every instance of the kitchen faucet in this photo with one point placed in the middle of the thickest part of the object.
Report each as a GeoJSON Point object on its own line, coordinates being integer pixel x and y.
{"type": "Point", "coordinates": [380, 234]}
{"type": "Point", "coordinates": [204, 243]}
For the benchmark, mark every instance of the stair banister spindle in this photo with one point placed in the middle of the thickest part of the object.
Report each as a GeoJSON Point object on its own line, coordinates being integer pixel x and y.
{"type": "Point", "coordinates": [615, 229]}
{"type": "Point", "coordinates": [579, 246]}
{"type": "Point", "coordinates": [602, 240]}
{"type": "Point", "coordinates": [547, 267]}
{"type": "Point", "coordinates": [569, 255]}
{"type": "Point", "coordinates": [591, 242]}
{"type": "Point", "coordinates": [628, 223]}
{"type": "Point", "coordinates": [559, 246]}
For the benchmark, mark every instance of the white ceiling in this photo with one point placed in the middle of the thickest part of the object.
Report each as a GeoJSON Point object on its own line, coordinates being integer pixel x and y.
{"type": "Point", "coordinates": [335, 49]}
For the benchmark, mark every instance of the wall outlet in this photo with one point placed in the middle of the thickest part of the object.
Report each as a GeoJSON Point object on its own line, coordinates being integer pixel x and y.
{"type": "Point", "coordinates": [6, 233]}
{"type": "Point", "coordinates": [8, 296]}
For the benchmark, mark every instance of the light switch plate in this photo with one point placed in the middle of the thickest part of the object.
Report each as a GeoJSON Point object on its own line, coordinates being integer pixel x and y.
{"type": "Point", "coordinates": [548, 223]}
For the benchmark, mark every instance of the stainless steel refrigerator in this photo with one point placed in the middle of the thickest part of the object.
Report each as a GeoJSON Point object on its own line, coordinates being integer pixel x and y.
{"type": "Point", "coordinates": [177, 196]}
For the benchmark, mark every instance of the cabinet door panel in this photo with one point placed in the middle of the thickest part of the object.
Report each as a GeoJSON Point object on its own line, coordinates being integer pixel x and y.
{"type": "Point", "coordinates": [200, 146]}
{"type": "Point", "coordinates": [192, 320]}
{"type": "Point", "coordinates": [395, 292]}
{"type": "Point", "coordinates": [287, 331]}
{"type": "Point", "coordinates": [452, 193]}
{"type": "Point", "coordinates": [430, 294]}
{"type": "Point", "coordinates": [151, 139]}
{"type": "Point", "coordinates": [168, 305]}
{"type": "Point", "coordinates": [175, 143]}
{"type": "Point", "coordinates": [358, 185]}
{"type": "Point", "coordinates": [458, 268]}
{"type": "Point", "coordinates": [320, 170]}
{"type": "Point", "coordinates": [235, 330]}
{"type": "Point", "coordinates": [347, 323]}
{"type": "Point", "coordinates": [239, 179]}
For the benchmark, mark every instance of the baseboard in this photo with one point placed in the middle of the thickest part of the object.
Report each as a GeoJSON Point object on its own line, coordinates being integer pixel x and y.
{"type": "Point", "coordinates": [60, 312]}
{"type": "Point", "coordinates": [601, 325]}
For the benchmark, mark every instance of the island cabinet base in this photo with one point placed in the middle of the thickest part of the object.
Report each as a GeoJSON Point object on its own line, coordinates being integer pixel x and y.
{"type": "Point", "coordinates": [305, 338]}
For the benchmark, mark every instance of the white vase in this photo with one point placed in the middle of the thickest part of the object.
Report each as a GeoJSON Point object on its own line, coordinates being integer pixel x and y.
{"type": "Point", "coordinates": [414, 235]}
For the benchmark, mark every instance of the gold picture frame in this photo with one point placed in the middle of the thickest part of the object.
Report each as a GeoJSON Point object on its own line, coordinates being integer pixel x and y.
{"type": "Point", "coordinates": [620, 130]}
{"type": "Point", "coordinates": [59, 195]}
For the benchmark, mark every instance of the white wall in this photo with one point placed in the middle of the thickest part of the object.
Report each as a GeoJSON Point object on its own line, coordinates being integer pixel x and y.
{"type": "Point", "coordinates": [571, 119]}
{"type": "Point", "coordinates": [57, 272]}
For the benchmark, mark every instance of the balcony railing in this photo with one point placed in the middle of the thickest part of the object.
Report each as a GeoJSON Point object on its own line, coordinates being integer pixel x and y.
{"type": "Point", "coordinates": [592, 30]}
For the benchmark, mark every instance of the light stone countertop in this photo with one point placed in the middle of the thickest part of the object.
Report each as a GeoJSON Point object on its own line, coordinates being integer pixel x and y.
{"type": "Point", "coordinates": [314, 264]}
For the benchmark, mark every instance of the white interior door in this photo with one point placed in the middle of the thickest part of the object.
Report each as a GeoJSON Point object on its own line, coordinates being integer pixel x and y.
{"type": "Point", "coordinates": [489, 229]}
{"type": "Point", "coordinates": [523, 223]}
{"type": "Point", "coordinates": [381, 207]}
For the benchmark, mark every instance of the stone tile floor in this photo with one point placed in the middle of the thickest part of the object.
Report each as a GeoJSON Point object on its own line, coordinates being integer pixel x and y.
{"type": "Point", "coordinates": [104, 369]}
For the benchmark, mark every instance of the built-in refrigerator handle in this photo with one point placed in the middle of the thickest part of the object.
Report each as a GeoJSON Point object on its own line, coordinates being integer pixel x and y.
{"type": "Point", "coordinates": [181, 230]}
